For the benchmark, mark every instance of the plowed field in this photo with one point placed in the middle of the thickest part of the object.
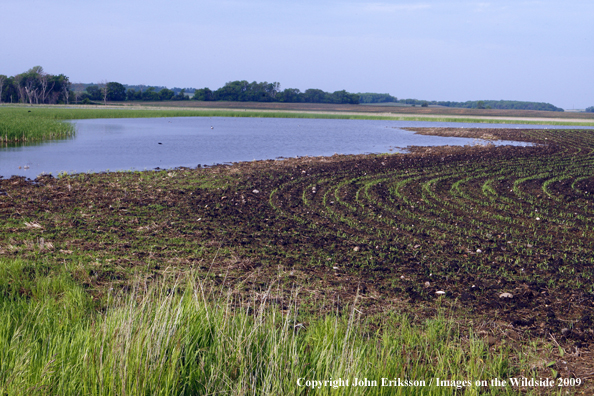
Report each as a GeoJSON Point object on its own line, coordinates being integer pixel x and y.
{"type": "Point", "coordinates": [453, 226]}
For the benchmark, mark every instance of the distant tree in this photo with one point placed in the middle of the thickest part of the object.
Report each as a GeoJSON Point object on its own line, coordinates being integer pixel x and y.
{"type": "Point", "coordinates": [424, 104]}
{"type": "Point", "coordinates": [116, 91]}
{"type": "Point", "coordinates": [151, 95]}
{"type": "Point", "coordinates": [104, 90]}
{"type": "Point", "coordinates": [35, 86]}
{"type": "Point", "coordinates": [93, 92]}
{"type": "Point", "coordinates": [590, 109]}
{"type": "Point", "coordinates": [315, 96]}
{"type": "Point", "coordinates": [376, 98]}
{"type": "Point", "coordinates": [29, 85]}
{"type": "Point", "coordinates": [232, 91]}
{"type": "Point", "coordinates": [203, 94]}
{"type": "Point", "coordinates": [166, 94]}
{"type": "Point", "coordinates": [10, 91]}
{"type": "Point", "coordinates": [45, 86]}
{"type": "Point", "coordinates": [66, 91]}
{"type": "Point", "coordinates": [355, 98]}
{"type": "Point", "coordinates": [181, 95]}
{"type": "Point", "coordinates": [103, 85]}
{"type": "Point", "coordinates": [290, 95]}
{"type": "Point", "coordinates": [132, 94]}
{"type": "Point", "coordinates": [272, 89]}
{"type": "Point", "coordinates": [502, 104]}
{"type": "Point", "coordinates": [2, 80]}
{"type": "Point", "coordinates": [77, 91]}
{"type": "Point", "coordinates": [243, 91]}
{"type": "Point", "coordinates": [58, 90]}
{"type": "Point", "coordinates": [480, 104]}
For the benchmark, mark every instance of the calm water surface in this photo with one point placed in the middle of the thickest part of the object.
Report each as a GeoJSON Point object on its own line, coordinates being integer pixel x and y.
{"type": "Point", "coordinates": [147, 143]}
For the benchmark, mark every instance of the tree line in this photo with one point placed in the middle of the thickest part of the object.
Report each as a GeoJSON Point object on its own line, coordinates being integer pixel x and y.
{"type": "Point", "coordinates": [35, 86]}
{"type": "Point", "coordinates": [485, 104]}
{"type": "Point", "coordinates": [471, 104]}
{"type": "Point", "coordinates": [114, 91]}
{"type": "Point", "coordinates": [234, 91]}
{"type": "Point", "coordinates": [369, 97]}
{"type": "Point", "coordinates": [590, 109]}
{"type": "Point", "coordinates": [243, 91]}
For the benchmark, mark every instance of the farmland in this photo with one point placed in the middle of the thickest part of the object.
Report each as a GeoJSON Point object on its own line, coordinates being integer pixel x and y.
{"type": "Point", "coordinates": [501, 238]}
{"type": "Point", "coordinates": [378, 109]}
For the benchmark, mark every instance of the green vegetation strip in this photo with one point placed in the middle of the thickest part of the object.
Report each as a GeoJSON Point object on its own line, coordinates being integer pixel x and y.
{"type": "Point", "coordinates": [33, 123]}
{"type": "Point", "coordinates": [54, 341]}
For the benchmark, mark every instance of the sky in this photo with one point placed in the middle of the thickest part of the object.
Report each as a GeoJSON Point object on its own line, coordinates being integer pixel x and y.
{"type": "Point", "coordinates": [540, 51]}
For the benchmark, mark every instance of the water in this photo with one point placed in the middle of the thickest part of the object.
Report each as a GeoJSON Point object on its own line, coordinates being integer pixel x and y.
{"type": "Point", "coordinates": [148, 143]}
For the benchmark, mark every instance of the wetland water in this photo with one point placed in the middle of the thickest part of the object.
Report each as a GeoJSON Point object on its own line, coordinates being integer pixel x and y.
{"type": "Point", "coordinates": [147, 143]}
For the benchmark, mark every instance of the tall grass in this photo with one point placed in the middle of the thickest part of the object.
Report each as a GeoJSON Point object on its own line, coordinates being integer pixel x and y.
{"type": "Point", "coordinates": [53, 341]}
{"type": "Point", "coordinates": [20, 125]}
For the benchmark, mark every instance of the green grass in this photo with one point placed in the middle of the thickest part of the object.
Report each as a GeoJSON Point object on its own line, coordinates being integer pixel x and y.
{"type": "Point", "coordinates": [55, 340]}
{"type": "Point", "coordinates": [20, 125]}
{"type": "Point", "coordinates": [31, 123]}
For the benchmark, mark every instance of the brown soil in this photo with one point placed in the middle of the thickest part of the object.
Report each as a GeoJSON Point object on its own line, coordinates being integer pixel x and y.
{"type": "Point", "coordinates": [472, 222]}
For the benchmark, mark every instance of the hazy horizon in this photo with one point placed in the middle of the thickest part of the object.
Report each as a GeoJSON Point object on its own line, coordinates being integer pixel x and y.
{"type": "Point", "coordinates": [538, 51]}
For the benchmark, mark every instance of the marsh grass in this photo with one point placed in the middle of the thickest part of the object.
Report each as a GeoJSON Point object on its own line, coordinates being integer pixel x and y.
{"type": "Point", "coordinates": [185, 340]}
{"type": "Point", "coordinates": [20, 125]}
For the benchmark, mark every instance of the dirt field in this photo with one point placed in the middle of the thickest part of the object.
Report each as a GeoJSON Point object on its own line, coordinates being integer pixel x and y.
{"type": "Point", "coordinates": [500, 235]}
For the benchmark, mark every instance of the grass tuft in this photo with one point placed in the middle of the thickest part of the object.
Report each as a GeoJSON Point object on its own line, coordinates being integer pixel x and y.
{"type": "Point", "coordinates": [183, 341]}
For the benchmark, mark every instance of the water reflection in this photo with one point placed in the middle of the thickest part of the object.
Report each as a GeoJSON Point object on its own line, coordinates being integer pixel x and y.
{"type": "Point", "coordinates": [7, 146]}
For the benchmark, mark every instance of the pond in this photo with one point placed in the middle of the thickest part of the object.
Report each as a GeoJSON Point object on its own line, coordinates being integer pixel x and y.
{"type": "Point", "coordinates": [148, 143]}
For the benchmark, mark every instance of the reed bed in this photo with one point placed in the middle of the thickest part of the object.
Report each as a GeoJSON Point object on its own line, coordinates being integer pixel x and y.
{"type": "Point", "coordinates": [182, 340]}
{"type": "Point", "coordinates": [22, 125]}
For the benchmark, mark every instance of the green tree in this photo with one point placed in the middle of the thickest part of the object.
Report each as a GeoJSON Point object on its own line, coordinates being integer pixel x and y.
{"type": "Point", "coordinates": [116, 91]}
{"type": "Point", "coordinates": [203, 94]}
{"type": "Point", "coordinates": [132, 94]}
{"type": "Point", "coordinates": [3, 79]}
{"type": "Point", "coordinates": [166, 94]}
{"type": "Point", "coordinates": [290, 95]}
{"type": "Point", "coordinates": [181, 95]}
{"type": "Point", "coordinates": [315, 96]}
{"type": "Point", "coordinates": [369, 97]}
{"type": "Point", "coordinates": [590, 109]}
{"type": "Point", "coordinates": [151, 95]}
{"type": "Point", "coordinates": [232, 91]}
{"type": "Point", "coordinates": [94, 92]}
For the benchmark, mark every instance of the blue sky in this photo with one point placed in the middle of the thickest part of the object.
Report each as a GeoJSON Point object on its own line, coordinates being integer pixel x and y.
{"type": "Point", "coordinates": [437, 50]}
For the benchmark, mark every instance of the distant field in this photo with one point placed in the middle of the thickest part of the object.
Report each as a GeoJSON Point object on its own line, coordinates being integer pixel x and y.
{"type": "Point", "coordinates": [400, 110]}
